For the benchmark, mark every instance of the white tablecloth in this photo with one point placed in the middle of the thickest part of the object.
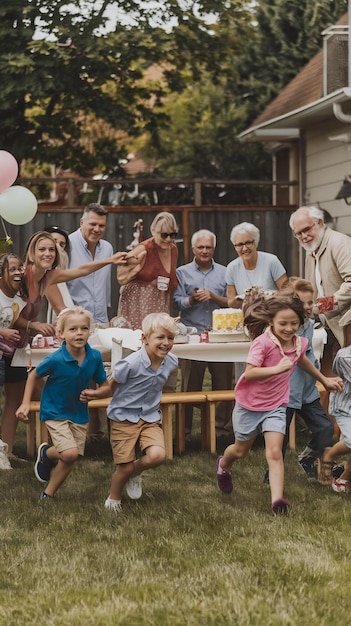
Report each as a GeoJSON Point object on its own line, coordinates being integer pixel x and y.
{"type": "Point", "coordinates": [231, 352]}
{"type": "Point", "coordinates": [234, 352]}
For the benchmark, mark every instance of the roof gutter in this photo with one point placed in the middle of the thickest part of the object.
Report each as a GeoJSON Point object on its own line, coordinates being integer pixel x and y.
{"type": "Point", "coordinates": [290, 121]}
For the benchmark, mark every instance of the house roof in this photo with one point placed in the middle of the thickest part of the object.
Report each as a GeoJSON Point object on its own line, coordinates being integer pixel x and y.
{"type": "Point", "coordinates": [302, 97]}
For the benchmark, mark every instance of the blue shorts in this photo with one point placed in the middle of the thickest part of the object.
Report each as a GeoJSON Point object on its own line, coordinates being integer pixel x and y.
{"type": "Point", "coordinates": [343, 420]}
{"type": "Point", "coordinates": [248, 424]}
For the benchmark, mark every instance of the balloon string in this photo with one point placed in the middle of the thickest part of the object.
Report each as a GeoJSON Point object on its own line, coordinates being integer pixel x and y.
{"type": "Point", "coordinates": [4, 227]}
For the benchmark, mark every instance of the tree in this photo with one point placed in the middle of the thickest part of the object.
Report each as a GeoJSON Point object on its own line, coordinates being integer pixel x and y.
{"type": "Point", "coordinates": [55, 86]}
{"type": "Point", "coordinates": [286, 36]}
{"type": "Point", "coordinates": [199, 119]}
{"type": "Point", "coordinates": [199, 135]}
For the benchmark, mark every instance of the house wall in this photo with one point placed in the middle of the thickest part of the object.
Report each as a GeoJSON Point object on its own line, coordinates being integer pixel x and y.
{"type": "Point", "coordinates": [327, 164]}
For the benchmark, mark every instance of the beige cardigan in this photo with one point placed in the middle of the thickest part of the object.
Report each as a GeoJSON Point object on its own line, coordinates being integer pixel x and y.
{"type": "Point", "coordinates": [334, 259]}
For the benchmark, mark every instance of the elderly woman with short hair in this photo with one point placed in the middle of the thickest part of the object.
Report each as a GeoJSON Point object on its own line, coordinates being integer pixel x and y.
{"type": "Point", "coordinates": [252, 268]}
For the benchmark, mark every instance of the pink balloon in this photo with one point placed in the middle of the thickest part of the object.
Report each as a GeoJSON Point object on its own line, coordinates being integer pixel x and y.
{"type": "Point", "coordinates": [8, 170]}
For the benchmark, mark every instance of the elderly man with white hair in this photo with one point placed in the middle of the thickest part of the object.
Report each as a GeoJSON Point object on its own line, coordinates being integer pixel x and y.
{"type": "Point", "coordinates": [328, 268]}
{"type": "Point", "coordinates": [201, 289]}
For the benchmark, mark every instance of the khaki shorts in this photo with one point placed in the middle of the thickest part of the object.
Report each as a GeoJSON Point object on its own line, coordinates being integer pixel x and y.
{"type": "Point", "coordinates": [66, 435]}
{"type": "Point", "coordinates": [125, 435]}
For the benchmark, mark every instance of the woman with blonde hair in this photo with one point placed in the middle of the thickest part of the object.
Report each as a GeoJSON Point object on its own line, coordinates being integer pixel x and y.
{"type": "Point", "coordinates": [148, 287]}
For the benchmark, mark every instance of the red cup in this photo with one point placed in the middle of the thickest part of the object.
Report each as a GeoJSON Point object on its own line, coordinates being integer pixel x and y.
{"type": "Point", "coordinates": [325, 304]}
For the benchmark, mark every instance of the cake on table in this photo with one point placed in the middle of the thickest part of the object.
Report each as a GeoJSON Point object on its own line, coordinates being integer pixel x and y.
{"type": "Point", "coordinates": [227, 325]}
{"type": "Point", "coordinates": [227, 319]}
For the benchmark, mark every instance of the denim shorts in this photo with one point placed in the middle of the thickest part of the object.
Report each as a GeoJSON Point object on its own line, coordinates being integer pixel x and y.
{"type": "Point", "coordinates": [248, 424]}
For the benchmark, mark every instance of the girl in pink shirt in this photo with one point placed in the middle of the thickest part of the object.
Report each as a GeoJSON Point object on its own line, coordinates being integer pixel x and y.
{"type": "Point", "coordinates": [262, 392]}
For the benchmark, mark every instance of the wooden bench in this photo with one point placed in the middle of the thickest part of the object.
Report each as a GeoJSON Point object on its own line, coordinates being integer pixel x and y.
{"type": "Point", "coordinates": [37, 431]}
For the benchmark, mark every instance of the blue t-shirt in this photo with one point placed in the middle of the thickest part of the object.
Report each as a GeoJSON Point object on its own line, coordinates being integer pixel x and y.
{"type": "Point", "coordinates": [265, 275]}
{"type": "Point", "coordinates": [66, 379]}
{"type": "Point", "coordinates": [139, 391]}
{"type": "Point", "coordinates": [303, 388]}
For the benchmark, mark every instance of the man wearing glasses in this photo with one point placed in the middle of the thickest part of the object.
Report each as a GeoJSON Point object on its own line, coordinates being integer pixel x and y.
{"type": "Point", "coordinates": [201, 289]}
{"type": "Point", "coordinates": [328, 268]}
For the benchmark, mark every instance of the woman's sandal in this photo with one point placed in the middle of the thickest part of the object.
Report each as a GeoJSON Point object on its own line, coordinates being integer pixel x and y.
{"type": "Point", "coordinates": [325, 475]}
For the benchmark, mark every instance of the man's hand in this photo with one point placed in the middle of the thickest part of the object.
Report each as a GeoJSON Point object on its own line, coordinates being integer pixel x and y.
{"type": "Point", "coordinates": [135, 259]}
{"type": "Point", "coordinates": [202, 295]}
{"type": "Point", "coordinates": [119, 258]}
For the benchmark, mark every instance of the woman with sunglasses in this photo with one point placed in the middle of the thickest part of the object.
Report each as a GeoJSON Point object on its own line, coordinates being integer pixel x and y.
{"type": "Point", "coordinates": [148, 287]}
{"type": "Point", "coordinates": [252, 268]}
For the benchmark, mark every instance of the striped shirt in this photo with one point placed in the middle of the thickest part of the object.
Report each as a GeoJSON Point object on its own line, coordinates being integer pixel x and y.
{"type": "Point", "coordinates": [340, 401]}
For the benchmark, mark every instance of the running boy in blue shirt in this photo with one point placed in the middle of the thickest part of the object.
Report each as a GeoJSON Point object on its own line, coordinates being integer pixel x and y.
{"type": "Point", "coordinates": [136, 384]}
{"type": "Point", "coordinates": [68, 370]}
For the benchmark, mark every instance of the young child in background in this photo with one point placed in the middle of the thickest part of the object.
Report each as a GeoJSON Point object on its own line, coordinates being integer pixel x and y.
{"type": "Point", "coordinates": [304, 395]}
{"type": "Point", "coordinates": [68, 370]}
{"type": "Point", "coordinates": [340, 408]}
{"type": "Point", "coordinates": [14, 378]}
{"type": "Point", "coordinates": [136, 384]}
{"type": "Point", "coordinates": [262, 391]}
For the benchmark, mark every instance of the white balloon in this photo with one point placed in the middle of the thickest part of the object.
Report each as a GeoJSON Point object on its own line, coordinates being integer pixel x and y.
{"type": "Point", "coordinates": [18, 205]}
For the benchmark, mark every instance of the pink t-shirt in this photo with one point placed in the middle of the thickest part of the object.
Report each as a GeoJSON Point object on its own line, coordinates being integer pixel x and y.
{"type": "Point", "coordinates": [268, 393]}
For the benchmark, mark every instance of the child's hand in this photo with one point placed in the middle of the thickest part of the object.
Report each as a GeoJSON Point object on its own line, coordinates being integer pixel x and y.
{"type": "Point", "coordinates": [284, 364]}
{"type": "Point", "coordinates": [22, 413]}
{"type": "Point", "coordinates": [86, 395]}
{"type": "Point", "coordinates": [333, 384]}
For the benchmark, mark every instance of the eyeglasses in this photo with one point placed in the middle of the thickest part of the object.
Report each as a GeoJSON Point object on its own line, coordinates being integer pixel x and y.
{"type": "Point", "coordinates": [204, 247]}
{"type": "Point", "coordinates": [304, 231]}
{"type": "Point", "coordinates": [247, 244]}
{"type": "Point", "coordinates": [166, 235]}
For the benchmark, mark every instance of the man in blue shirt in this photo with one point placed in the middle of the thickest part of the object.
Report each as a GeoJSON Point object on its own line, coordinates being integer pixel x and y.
{"type": "Point", "coordinates": [92, 292]}
{"type": "Point", "coordinates": [202, 288]}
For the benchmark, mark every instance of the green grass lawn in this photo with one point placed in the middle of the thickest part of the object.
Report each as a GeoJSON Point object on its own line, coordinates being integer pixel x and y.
{"type": "Point", "coordinates": [183, 554]}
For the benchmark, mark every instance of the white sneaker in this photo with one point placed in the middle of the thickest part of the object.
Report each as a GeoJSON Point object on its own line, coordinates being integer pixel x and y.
{"type": "Point", "coordinates": [134, 487]}
{"type": "Point", "coordinates": [4, 461]}
{"type": "Point", "coordinates": [113, 505]}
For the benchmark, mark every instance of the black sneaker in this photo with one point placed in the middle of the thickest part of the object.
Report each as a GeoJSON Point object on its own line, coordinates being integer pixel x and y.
{"type": "Point", "coordinates": [308, 465]}
{"type": "Point", "coordinates": [42, 467]}
{"type": "Point", "coordinates": [338, 470]}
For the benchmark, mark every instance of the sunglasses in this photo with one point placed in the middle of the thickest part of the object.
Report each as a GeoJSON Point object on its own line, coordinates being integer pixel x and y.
{"type": "Point", "coordinates": [166, 235]}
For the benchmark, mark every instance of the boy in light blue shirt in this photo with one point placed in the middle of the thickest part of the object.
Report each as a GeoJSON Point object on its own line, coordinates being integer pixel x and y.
{"type": "Point", "coordinates": [136, 384]}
